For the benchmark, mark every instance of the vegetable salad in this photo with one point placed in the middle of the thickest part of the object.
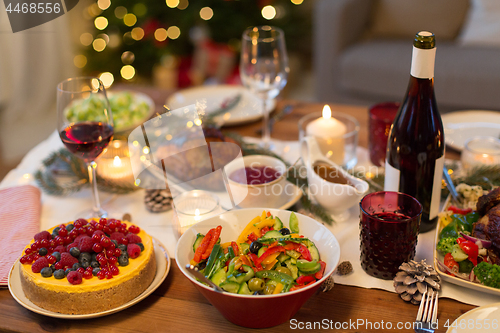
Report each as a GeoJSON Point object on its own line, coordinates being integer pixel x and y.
{"type": "Point", "coordinates": [267, 258]}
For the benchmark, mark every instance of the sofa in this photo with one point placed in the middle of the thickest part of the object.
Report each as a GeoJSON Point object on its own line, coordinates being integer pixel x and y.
{"type": "Point", "coordinates": [362, 50]}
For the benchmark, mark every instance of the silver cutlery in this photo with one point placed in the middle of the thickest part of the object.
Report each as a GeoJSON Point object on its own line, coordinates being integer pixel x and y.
{"type": "Point", "coordinates": [196, 273]}
{"type": "Point", "coordinates": [426, 321]}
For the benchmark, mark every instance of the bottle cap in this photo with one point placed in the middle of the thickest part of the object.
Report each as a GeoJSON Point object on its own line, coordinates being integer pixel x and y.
{"type": "Point", "coordinates": [424, 40]}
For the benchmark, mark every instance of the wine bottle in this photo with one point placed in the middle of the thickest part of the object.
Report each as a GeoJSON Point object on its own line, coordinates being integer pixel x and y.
{"type": "Point", "coordinates": [415, 147]}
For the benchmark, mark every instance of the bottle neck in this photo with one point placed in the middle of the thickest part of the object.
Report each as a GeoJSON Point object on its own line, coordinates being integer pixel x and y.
{"type": "Point", "coordinates": [422, 63]}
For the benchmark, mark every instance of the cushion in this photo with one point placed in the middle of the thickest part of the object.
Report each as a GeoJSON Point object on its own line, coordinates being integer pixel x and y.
{"type": "Point", "coordinates": [404, 18]}
{"type": "Point", "coordinates": [482, 26]}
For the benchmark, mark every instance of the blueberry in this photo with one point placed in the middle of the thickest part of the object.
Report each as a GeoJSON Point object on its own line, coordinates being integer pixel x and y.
{"type": "Point", "coordinates": [70, 227]}
{"type": "Point", "coordinates": [53, 268]}
{"type": "Point", "coordinates": [94, 257]}
{"type": "Point", "coordinates": [95, 271]}
{"type": "Point", "coordinates": [43, 251]}
{"type": "Point", "coordinates": [74, 251]}
{"type": "Point", "coordinates": [123, 247]}
{"type": "Point", "coordinates": [85, 264]}
{"type": "Point", "coordinates": [141, 246]}
{"type": "Point", "coordinates": [66, 272]}
{"type": "Point", "coordinates": [85, 256]}
{"type": "Point", "coordinates": [114, 242]}
{"type": "Point", "coordinates": [57, 255]}
{"type": "Point", "coordinates": [285, 231]}
{"type": "Point", "coordinates": [123, 260]}
{"type": "Point", "coordinates": [59, 274]}
{"type": "Point", "coordinates": [76, 266]}
{"type": "Point", "coordinates": [46, 272]}
{"type": "Point", "coordinates": [54, 234]}
{"type": "Point", "coordinates": [94, 264]}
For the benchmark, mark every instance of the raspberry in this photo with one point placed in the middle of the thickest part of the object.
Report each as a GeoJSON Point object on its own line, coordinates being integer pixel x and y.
{"type": "Point", "coordinates": [85, 244]}
{"type": "Point", "coordinates": [68, 260]}
{"type": "Point", "coordinates": [43, 235]}
{"type": "Point", "coordinates": [40, 263]}
{"type": "Point", "coordinates": [133, 251]}
{"type": "Point", "coordinates": [116, 236]}
{"type": "Point", "coordinates": [74, 244]}
{"type": "Point", "coordinates": [132, 238]}
{"type": "Point", "coordinates": [60, 249]}
{"type": "Point", "coordinates": [134, 229]}
{"type": "Point", "coordinates": [74, 277]}
{"type": "Point", "coordinates": [77, 239]}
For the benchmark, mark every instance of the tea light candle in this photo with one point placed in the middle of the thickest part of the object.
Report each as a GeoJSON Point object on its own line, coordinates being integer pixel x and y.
{"type": "Point", "coordinates": [481, 151]}
{"type": "Point", "coordinates": [192, 207]}
{"type": "Point", "coordinates": [329, 133]}
{"type": "Point", "coordinates": [115, 163]}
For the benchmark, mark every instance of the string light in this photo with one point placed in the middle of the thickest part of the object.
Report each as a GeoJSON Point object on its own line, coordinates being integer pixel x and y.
{"type": "Point", "coordinates": [161, 34]}
{"type": "Point", "coordinates": [101, 22]}
{"type": "Point", "coordinates": [120, 12]}
{"type": "Point", "coordinates": [80, 60]}
{"type": "Point", "coordinates": [173, 32]}
{"type": "Point", "coordinates": [130, 19]}
{"type": "Point", "coordinates": [99, 44]}
{"type": "Point", "coordinates": [268, 12]}
{"type": "Point", "coordinates": [137, 33]}
{"type": "Point", "coordinates": [86, 39]}
{"type": "Point", "coordinates": [297, 2]}
{"type": "Point", "coordinates": [107, 79]}
{"type": "Point", "coordinates": [105, 37]}
{"type": "Point", "coordinates": [127, 72]}
{"type": "Point", "coordinates": [183, 4]}
{"type": "Point", "coordinates": [103, 4]}
{"type": "Point", "coordinates": [206, 13]}
{"type": "Point", "coordinates": [172, 3]}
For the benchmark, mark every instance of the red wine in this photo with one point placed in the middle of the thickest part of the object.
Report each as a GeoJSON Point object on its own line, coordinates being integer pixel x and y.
{"type": "Point", "coordinates": [255, 175]}
{"type": "Point", "coordinates": [87, 140]}
{"type": "Point", "coordinates": [415, 147]}
{"type": "Point", "coordinates": [391, 217]}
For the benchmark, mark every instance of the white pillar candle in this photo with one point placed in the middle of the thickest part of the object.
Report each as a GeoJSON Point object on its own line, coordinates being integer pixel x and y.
{"type": "Point", "coordinates": [329, 132]}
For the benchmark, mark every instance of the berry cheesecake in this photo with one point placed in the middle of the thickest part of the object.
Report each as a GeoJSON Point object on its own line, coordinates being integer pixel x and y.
{"type": "Point", "coordinates": [87, 266]}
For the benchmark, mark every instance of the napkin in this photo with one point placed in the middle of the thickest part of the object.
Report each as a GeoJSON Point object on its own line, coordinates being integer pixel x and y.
{"type": "Point", "coordinates": [20, 210]}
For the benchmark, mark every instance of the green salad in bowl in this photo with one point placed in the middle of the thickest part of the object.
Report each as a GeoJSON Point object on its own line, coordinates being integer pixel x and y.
{"type": "Point", "coordinates": [130, 109]}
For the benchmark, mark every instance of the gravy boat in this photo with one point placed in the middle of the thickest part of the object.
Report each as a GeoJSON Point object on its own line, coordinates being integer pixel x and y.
{"type": "Point", "coordinates": [337, 195]}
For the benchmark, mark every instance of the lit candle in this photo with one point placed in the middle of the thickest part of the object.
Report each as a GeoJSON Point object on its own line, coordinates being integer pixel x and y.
{"type": "Point", "coordinates": [115, 163]}
{"type": "Point", "coordinates": [329, 132]}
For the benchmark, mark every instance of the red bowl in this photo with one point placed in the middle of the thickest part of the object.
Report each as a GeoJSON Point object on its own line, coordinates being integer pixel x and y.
{"type": "Point", "coordinates": [258, 311]}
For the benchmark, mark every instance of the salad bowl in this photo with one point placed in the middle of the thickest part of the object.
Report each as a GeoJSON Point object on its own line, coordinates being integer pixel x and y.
{"type": "Point", "coordinates": [258, 311]}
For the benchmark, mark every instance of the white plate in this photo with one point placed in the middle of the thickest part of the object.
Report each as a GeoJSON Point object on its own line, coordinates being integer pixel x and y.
{"type": "Point", "coordinates": [462, 125]}
{"type": "Point", "coordinates": [210, 98]}
{"type": "Point", "coordinates": [483, 319]}
{"type": "Point", "coordinates": [162, 269]}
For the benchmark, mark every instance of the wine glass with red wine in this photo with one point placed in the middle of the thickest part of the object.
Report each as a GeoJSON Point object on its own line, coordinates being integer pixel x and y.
{"type": "Point", "coordinates": [85, 138]}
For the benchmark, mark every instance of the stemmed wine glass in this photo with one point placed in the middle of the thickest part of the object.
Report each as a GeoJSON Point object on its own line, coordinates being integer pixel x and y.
{"type": "Point", "coordinates": [85, 138]}
{"type": "Point", "coordinates": [264, 67]}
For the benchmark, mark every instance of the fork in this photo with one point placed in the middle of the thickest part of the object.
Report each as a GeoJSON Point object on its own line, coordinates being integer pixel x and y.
{"type": "Point", "coordinates": [426, 321]}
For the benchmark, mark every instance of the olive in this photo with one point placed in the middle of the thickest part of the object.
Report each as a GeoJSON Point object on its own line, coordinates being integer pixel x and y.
{"type": "Point", "coordinates": [201, 265]}
{"type": "Point", "coordinates": [269, 289]}
{"type": "Point", "coordinates": [283, 270]}
{"type": "Point", "coordinates": [285, 231]}
{"type": "Point", "coordinates": [255, 246]}
{"type": "Point", "coordinates": [256, 284]}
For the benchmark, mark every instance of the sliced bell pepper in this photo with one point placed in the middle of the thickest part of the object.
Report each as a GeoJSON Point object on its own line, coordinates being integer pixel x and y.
{"type": "Point", "coordinates": [305, 252]}
{"type": "Point", "coordinates": [271, 258]}
{"type": "Point", "coordinates": [242, 238]}
{"type": "Point", "coordinates": [252, 237]}
{"type": "Point", "coordinates": [462, 211]}
{"type": "Point", "coordinates": [264, 230]}
{"type": "Point", "coordinates": [451, 263]}
{"type": "Point", "coordinates": [304, 279]}
{"type": "Point", "coordinates": [270, 265]}
{"type": "Point", "coordinates": [254, 258]}
{"type": "Point", "coordinates": [269, 252]}
{"type": "Point", "coordinates": [291, 246]}
{"type": "Point", "coordinates": [470, 248]}
{"type": "Point", "coordinates": [319, 274]}
{"type": "Point", "coordinates": [203, 246]}
{"type": "Point", "coordinates": [265, 223]}
{"type": "Point", "coordinates": [268, 214]}
{"type": "Point", "coordinates": [235, 247]}
{"type": "Point", "coordinates": [301, 286]}
{"type": "Point", "coordinates": [278, 288]}
{"type": "Point", "coordinates": [245, 260]}
{"type": "Point", "coordinates": [213, 240]}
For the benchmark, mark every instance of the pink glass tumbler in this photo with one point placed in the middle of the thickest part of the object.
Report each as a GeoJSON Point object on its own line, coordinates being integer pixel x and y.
{"type": "Point", "coordinates": [389, 226]}
{"type": "Point", "coordinates": [381, 117]}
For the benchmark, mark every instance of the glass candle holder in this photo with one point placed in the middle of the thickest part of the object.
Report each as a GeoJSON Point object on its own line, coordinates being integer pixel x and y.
{"type": "Point", "coordinates": [340, 144]}
{"type": "Point", "coordinates": [192, 207]}
{"type": "Point", "coordinates": [480, 150]}
{"type": "Point", "coordinates": [115, 164]}
{"type": "Point", "coordinates": [381, 117]}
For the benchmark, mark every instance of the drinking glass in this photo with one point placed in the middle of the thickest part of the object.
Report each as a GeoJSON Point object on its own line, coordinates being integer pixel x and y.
{"type": "Point", "coordinates": [479, 151]}
{"type": "Point", "coordinates": [264, 67]}
{"type": "Point", "coordinates": [85, 138]}
{"type": "Point", "coordinates": [389, 226]}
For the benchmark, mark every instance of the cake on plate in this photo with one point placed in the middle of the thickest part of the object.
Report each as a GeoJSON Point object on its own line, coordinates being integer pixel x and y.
{"type": "Point", "coordinates": [87, 266]}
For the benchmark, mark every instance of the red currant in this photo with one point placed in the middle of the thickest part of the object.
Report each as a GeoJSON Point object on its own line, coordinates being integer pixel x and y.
{"type": "Point", "coordinates": [114, 270]}
{"type": "Point", "coordinates": [59, 240]}
{"type": "Point", "coordinates": [82, 231]}
{"type": "Point", "coordinates": [112, 261]}
{"type": "Point", "coordinates": [134, 229]}
{"type": "Point", "coordinates": [109, 275]}
{"type": "Point", "coordinates": [67, 240]}
{"type": "Point", "coordinates": [111, 246]}
{"type": "Point", "coordinates": [79, 223]}
{"type": "Point", "coordinates": [110, 253]}
{"type": "Point", "coordinates": [28, 250]}
{"type": "Point", "coordinates": [90, 231]}
{"type": "Point", "coordinates": [51, 259]}
{"type": "Point", "coordinates": [36, 257]}
{"type": "Point", "coordinates": [24, 259]}
{"type": "Point", "coordinates": [52, 243]}
{"type": "Point", "coordinates": [123, 241]}
{"type": "Point", "coordinates": [73, 233]}
{"type": "Point", "coordinates": [87, 275]}
{"type": "Point", "coordinates": [99, 227]}
{"type": "Point", "coordinates": [107, 230]}
{"type": "Point", "coordinates": [58, 265]}
{"type": "Point", "coordinates": [105, 241]}
{"type": "Point", "coordinates": [101, 274]}
{"type": "Point", "coordinates": [103, 221]}
{"type": "Point", "coordinates": [63, 232]}
{"type": "Point", "coordinates": [97, 247]}
{"type": "Point", "coordinates": [118, 252]}
{"type": "Point", "coordinates": [81, 270]}
{"type": "Point", "coordinates": [102, 261]}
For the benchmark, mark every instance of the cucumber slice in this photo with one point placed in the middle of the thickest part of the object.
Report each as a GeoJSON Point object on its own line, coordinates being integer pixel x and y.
{"type": "Point", "coordinates": [278, 225]}
{"type": "Point", "coordinates": [244, 248]}
{"type": "Point", "coordinates": [283, 257]}
{"type": "Point", "coordinates": [212, 257]}
{"type": "Point", "coordinates": [197, 242]}
{"type": "Point", "coordinates": [219, 277]}
{"type": "Point", "coordinates": [294, 254]}
{"type": "Point", "coordinates": [261, 251]}
{"type": "Point", "coordinates": [273, 234]}
{"type": "Point", "coordinates": [229, 286]}
{"type": "Point", "coordinates": [305, 265]}
{"type": "Point", "coordinates": [314, 252]}
{"type": "Point", "coordinates": [243, 290]}
{"type": "Point", "coordinates": [286, 238]}
{"type": "Point", "coordinates": [293, 268]}
{"type": "Point", "coordinates": [294, 223]}
{"type": "Point", "coordinates": [237, 277]}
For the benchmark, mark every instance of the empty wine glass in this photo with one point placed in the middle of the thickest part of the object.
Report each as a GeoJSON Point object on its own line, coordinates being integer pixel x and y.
{"type": "Point", "coordinates": [85, 138]}
{"type": "Point", "coordinates": [264, 67]}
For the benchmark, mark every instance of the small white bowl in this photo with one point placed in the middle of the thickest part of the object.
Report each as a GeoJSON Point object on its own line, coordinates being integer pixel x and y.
{"type": "Point", "coordinates": [270, 194]}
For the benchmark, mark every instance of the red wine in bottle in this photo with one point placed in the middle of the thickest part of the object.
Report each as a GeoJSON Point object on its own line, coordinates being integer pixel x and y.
{"type": "Point", "coordinates": [415, 147]}
{"type": "Point", "coordinates": [87, 140]}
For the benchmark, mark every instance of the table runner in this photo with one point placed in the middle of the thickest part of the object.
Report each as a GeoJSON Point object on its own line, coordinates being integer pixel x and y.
{"type": "Point", "coordinates": [63, 209]}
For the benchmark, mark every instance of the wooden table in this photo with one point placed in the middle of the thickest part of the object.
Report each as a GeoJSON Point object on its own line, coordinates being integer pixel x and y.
{"type": "Point", "coordinates": [176, 305]}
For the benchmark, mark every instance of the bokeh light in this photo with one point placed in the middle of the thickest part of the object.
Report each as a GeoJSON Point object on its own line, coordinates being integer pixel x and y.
{"type": "Point", "coordinates": [114, 40]}
{"type": "Point", "coordinates": [101, 22]}
{"type": "Point", "coordinates": [297, 2]}
{"type": "Point", "coordinates": [103, 4]}
{"type": "Point", "coordinates": [173, 32]}
{"type": "Point", "coordinates": [120, 12]}
{"type": "Point", "coordinates": [137, 33]}
{"type": "Point", "coordinates": [127, 72]}
{"type": "Point", "coordinates": [105, 37]}
{"type": "Point", "coordinates": [107, 79]}
{"type": "Point", "coordinates": [206, 13]}
{"type": "Point", "coordinates": [80, 60]}
{"type": "Point", "coordinates": [268, 12]}
{"type": "Point", "coordinates": [130, 19]}
{"type": "Point", "coordinates": [161, 34]}
{"type": "Point", "coordinates": [99, 44]}
{"type": "Point", "coordinates": [94, 10]}
{"type": "Point", "coordinates": [86, 39]}
{"type": "Point", "coordinates": [140, 9]}
{"type": "Point", "coordinates": [128, 57]}
{"type": "Point", "coordinates": [172, 3]}
{"type": "Point", "coordinates": [183, 4]}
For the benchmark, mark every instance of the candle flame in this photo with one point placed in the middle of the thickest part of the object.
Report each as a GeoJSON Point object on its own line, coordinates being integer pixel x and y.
{"type": "Point", "coordinates": [117, 161]}
{"type": "Point", "coordinates": [327, 112]}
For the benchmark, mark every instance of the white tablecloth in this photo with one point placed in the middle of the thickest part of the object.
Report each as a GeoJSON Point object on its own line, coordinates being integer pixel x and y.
{"type": "Point", "coordinates": [56, 210]}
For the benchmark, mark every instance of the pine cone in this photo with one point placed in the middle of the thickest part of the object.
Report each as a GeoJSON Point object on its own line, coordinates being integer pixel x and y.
{"type": "Point", "coordinates": [158, 201]}
{"type": "Point", "coordinates": [414, 278]}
